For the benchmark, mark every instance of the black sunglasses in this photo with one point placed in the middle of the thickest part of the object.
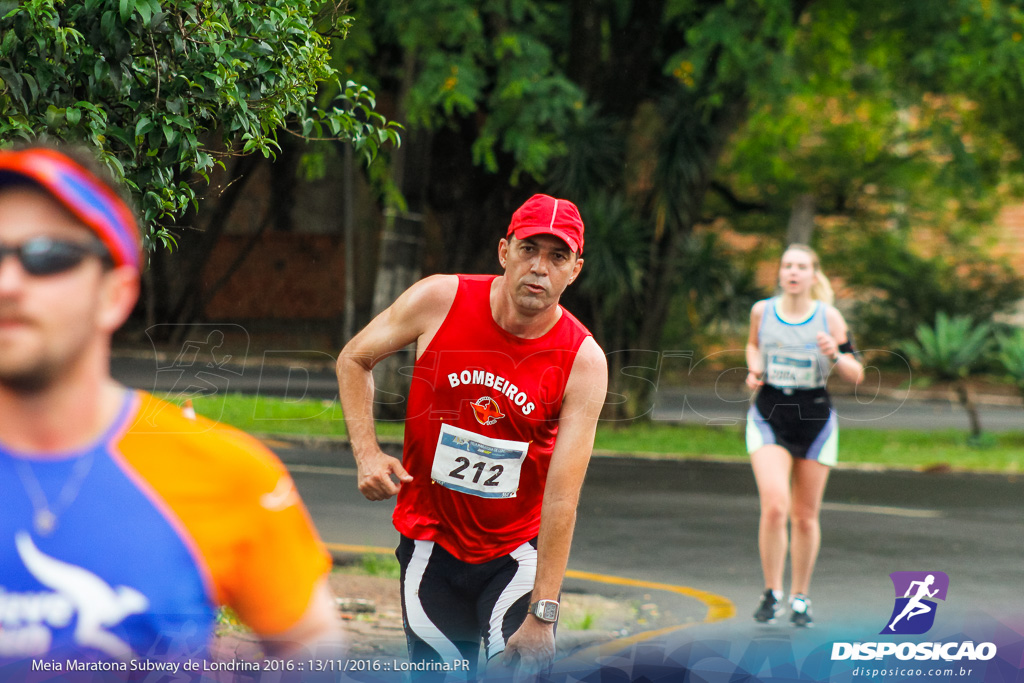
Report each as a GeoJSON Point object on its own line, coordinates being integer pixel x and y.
{"type": "Point", "coordinates": [46, 256]}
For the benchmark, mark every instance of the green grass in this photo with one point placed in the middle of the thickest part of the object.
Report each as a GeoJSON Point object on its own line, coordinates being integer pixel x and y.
{"type": "Point", "coordinates": [582, 623]}
{"type": "Point", "coordinates": [271, 415]}
{"type": "Point", "coordinates": [227, 622]}
{"type": "Point", "coordinates": [372, 564]}
{"type": "Point", "coordinates": [1002, 452]}
{"type": "Point", "coordinates": [386, 566]}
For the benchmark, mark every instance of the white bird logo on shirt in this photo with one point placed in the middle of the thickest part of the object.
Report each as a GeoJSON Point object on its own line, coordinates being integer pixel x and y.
{"type": "Point", "coordinates": [99, 606]}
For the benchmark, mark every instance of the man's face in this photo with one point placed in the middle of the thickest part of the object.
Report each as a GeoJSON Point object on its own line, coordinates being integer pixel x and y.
{"type": "Point", "coordinates": [538, 269]}
{"type": "Point", "coordinates": [47, 322]}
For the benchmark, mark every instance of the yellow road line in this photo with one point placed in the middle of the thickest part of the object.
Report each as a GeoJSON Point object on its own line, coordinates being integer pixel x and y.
{"type": "Point", "coordinates": [719, 607]}
{"type": "Point", "coordinates": [346, 548]}
{"type": "Point", "coordinates": [275, 443]}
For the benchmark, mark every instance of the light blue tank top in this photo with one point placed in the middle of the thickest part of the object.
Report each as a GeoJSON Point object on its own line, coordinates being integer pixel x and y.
{"type": "Point", "coordinates": [790, 351]}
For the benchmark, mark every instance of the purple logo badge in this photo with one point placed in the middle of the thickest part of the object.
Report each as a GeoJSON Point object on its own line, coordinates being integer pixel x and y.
{"type": "Point", "coordinates": [916, 593]}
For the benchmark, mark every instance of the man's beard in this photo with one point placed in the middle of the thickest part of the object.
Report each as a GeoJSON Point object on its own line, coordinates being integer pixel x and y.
{"type": "Point", "coordinates": [31, 381]}
{"type": "Point", "coordinates": [35, 373]}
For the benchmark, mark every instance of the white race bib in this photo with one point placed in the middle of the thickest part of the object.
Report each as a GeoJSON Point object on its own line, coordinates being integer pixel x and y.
{"type": "Point", "coordinates": [792, 370]}
{"type": "Point", "coordinates": [478, 465]}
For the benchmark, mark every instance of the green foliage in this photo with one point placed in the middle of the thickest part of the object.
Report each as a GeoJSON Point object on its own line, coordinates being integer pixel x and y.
{"type": "Point", "coordinates": [227, 621]}
{"type": "Point", "coordinates": [717, 289]}
{"type": "Point", "coordinates": [951, 351]}
{"type": "Point", "coordinates": [884, 112]}
{"type": "Point", "coordinates": [615, 253]}
{"type": "Point", "coordinates": [1010, 354]}
{"type": "Point", "coordinates": [952, 348]}
{"type": "Point", "coordinates": [904, 289]}
{"type": "Point", "coordinates": [374, 564]}
{"type": "Point", "coordinates": [579, 622]}
{"type": "Point", "coordinates": [967, 46]}
{"type": "Point", "coordinates": [594, 151]}
{"type": "Point", "coordinates": [719, 285]}
{"type": "Point", "coordinates": [462, 59]}
{"type": "Point", "coordinates": [876, 140]}
{"type": "Point", "coordinates": [168, 88]}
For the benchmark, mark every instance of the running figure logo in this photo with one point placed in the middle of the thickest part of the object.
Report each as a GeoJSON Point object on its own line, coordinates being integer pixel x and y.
{"type": "Point", "coordinates": [916, 592]}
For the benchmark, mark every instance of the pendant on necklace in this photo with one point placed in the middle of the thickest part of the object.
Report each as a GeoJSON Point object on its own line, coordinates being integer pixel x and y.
{"type": "Point", "coordinates": [45, 522]}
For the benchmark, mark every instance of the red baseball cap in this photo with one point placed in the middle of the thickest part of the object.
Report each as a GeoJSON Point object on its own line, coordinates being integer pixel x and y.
{"type": "Point", "coordinates": [544, 215]}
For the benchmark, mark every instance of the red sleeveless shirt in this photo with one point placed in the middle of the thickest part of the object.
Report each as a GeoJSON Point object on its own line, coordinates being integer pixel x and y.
{"type": "Point", "coordinates": [480, 428]}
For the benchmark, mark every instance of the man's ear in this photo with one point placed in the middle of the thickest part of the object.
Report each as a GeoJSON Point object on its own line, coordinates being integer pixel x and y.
{"type": "Point", "coordinates": [503, 246]}
{"type": "Point", "coordinates": [576, 268]}
{"type": "Point", "coordinates": [120, 291]}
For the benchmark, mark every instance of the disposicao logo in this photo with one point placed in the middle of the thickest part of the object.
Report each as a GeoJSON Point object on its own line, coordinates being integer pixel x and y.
{"type": "Point", "coordinates": [914, 614]}
{"type": "Point", "coordinates": [916, 593]}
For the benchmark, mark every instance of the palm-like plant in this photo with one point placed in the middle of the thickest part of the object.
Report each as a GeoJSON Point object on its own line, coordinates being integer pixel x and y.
{"type": "Point", "coordinates": [950, 352]}
{"type": "Point", "coordinates": [611, 285]}
{"type": "Point", "coordinates": [1010, 353]}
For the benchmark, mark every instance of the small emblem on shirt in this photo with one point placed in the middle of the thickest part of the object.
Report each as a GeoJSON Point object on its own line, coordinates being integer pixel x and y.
{"type": "Point", "coordinates": [486, 411]}
{"type": "Point", "coordinates": [282, 497]}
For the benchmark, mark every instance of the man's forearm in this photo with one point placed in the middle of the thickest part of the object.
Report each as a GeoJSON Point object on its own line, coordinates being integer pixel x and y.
{"type": "Point", "coordinates": [558, 521]}
{"type": "Point", "coordinates": [355, 391]}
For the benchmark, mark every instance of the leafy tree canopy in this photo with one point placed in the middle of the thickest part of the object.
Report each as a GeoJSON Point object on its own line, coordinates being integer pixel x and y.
{"type": "Point", "coordinates": [665, 114]}
{"type": "Point", "coordinates": [874, 128]}
{"type": "Point", "coordinates": [168, 88]}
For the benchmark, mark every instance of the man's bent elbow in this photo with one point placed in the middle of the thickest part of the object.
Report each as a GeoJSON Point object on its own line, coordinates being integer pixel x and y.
{"type": "Point", "coordinates": [350, 360]}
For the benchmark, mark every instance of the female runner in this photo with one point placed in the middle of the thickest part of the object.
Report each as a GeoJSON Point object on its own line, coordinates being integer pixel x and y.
{"type": "Point", "coordinates": [796, 340]}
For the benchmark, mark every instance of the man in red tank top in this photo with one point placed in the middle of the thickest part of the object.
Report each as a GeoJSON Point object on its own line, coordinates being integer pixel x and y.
{"type": "Point", "coordinates": [500, 423]}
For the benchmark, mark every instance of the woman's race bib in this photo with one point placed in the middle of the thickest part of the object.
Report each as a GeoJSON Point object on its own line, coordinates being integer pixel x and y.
{"type": "Point", "coordinates": [792, 369]}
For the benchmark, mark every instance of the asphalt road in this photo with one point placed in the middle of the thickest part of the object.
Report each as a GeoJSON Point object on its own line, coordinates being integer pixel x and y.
{"type": "Point", "coordinates": [683, 534]}
{"type": "Point", "coordinates": [694, 525]}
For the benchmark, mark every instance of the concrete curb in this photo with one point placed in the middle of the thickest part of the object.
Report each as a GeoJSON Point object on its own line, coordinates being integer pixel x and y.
{"type": "Point", "coordinates": [326, 452]}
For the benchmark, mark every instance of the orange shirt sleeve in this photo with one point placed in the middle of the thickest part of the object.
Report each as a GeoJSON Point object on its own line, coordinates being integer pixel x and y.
{"type": "Point", "coordinates": [236, 506]}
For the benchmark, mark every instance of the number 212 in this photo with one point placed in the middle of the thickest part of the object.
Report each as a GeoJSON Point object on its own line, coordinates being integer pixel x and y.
{"type": "Point", "coordinates": [496, 471]}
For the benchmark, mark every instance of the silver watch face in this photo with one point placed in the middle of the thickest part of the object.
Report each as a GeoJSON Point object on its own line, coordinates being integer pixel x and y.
{"type": "Point", "coordinates": [547, 610]}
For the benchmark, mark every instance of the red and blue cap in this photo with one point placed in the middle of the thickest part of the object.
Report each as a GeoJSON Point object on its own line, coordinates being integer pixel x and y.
{"type": "Point", "coordinates": [545, 215]}
{"type": "Point", "coordinates": [83, 194]}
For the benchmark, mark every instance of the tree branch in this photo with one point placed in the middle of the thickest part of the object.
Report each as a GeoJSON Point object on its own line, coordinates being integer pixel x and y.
{"type": "Point", "coordinates": [726, 193]}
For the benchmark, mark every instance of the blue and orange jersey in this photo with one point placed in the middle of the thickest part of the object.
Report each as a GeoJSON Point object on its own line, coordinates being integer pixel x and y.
{"type": "Point", "coordinates": [154, 525]}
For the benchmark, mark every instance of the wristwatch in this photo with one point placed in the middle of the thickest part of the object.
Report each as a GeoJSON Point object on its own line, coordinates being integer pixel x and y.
{"type": "Point", "coordinates": [545, 610]}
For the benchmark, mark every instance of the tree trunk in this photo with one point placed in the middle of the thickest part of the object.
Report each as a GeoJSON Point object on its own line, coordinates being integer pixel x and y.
{"type": "Point", "coordinates": [184, 310]}
{"type": "Point", "coordinates": [690, 156]}
{"type": "Point", "coordinates": [801, 220]}
{"type": "Point", "coordinates": [399, 267]}
{"type": "Point", "coordinates": [348, 228]}
{"type": "Point", "coordinates": [963, 392]}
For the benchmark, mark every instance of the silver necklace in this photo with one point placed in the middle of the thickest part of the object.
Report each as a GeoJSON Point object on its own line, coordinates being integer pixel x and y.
{"type": "Point", "coordinates": [45, 516]}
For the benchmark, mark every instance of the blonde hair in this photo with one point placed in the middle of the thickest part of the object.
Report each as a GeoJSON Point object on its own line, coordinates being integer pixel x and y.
{"type": "Point", "coordinates": [822, 288]}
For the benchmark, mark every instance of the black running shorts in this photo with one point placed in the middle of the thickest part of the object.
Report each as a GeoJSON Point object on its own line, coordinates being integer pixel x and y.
{"type": "Point", "coordinates": [450, 606]}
